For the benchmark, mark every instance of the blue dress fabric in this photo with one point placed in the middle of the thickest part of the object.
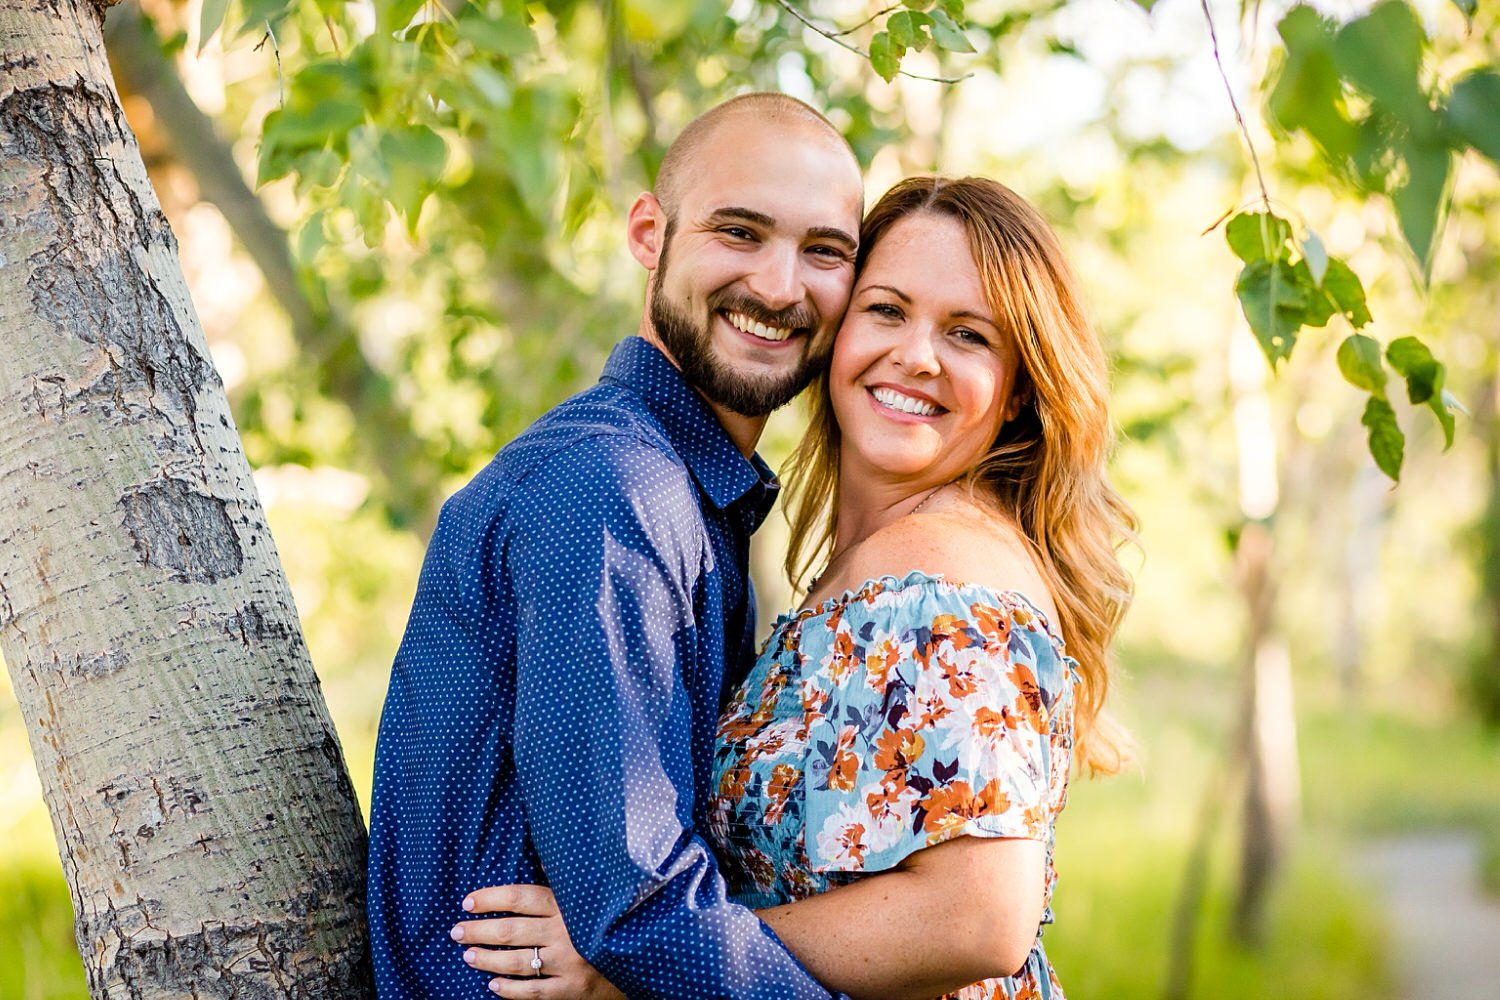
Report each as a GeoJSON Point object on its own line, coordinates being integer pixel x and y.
{"type": "Point", "coordinates": [583, 607]}
{"type": "Point", "coordinates": [895, 717]}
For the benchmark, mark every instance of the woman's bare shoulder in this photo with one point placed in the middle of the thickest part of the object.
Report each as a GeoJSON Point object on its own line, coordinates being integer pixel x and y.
{"type": "Point", "coordinates": [963, 544]}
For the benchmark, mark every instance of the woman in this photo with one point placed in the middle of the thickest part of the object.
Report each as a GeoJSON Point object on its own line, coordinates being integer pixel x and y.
{"type": "Point", "coordinates": [917, 717]}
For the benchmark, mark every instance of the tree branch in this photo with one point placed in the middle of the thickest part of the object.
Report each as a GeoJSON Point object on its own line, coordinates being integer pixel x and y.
{"type": "Point", "coordinates": [834, 37]}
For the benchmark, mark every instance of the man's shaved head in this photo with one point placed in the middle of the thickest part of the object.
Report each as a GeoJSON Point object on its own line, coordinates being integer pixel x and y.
{"type": "Point", "coordinates": [767, 108]}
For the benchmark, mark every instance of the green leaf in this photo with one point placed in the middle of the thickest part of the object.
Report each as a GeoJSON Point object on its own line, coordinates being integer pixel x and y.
{"type": "Point", "coordinates": [954, 8]}
{"type": "Point", "coordinates": [1467, 7]}
{"type": "Point", "coordinates": [507, 36]}
{"type": "Point", "coordinates": [1473, 112]}
{"type": "Point", "coordinates": [1424, 376]}
{"type": "Point", "coordinates": [1419, 200]}
{"type": "Point", "coordinates": [905, 29]}
{"type": "Point", "coordinates": [947, 33]}
{"type": "Point", "coordinates": [883, 57]}
{"type": "Point", "coordinates": [1343, 286]}
{"type": "Point", "coordinates": [414, 158]}
{"type": "Point", "coordinates": [1258, 236]}
{"type": "Point", "coordinates": [1423, 373]}
{"type": "Point", "coordinates": [394, 15]}
{"type": "Point", "coordinates": [1359, 361]}
{"type": "Point", "coordinates": [1387, 443]}
{"type": "Point", "coordinates": [210, 20]}
{"type": "Point", "coordinates": [916, 4]}
{"type": "Point", "coordinates": [1381, 53]}
{"type": "Point", "coordinates": [1145, 5]}
{"type": "Point", "coordinates": [1309, 94]}
{"type": "Point", "coordinates": [1316, 256]}
{"type": "Point", "coordinates": [1274, 303]}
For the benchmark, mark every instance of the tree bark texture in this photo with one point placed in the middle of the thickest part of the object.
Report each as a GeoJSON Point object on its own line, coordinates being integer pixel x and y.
{"type": "Point", "coordinates": [206, 824]}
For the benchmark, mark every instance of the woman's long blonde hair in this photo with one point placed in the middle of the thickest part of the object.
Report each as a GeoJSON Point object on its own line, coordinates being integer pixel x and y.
{"type": "Point", "coordinates": [1046, 469]}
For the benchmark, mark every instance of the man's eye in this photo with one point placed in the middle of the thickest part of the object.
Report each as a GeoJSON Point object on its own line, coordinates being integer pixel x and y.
{"type": "Point", "coordinates": [833, 253]}
{"type": "Point", "coordinates": [737, 232]}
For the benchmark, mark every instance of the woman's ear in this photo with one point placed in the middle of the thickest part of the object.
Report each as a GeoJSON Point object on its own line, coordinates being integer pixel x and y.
{"type": "Point", "coordinates": [1020, 394]}
{"type": "Point", "coordinates": [645, 228]}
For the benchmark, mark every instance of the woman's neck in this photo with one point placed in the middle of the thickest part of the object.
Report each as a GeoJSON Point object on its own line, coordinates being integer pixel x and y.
{"type": "Point", "coordinates": [875, 505]}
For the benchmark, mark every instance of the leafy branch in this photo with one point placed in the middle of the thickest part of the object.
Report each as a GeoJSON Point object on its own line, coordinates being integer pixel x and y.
{"type": "Point", "coordinates": [909, 26]}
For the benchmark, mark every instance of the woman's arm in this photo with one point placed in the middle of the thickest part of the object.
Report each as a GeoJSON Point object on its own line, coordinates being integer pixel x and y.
{"type": "Point", "coordinates": [949, 915]}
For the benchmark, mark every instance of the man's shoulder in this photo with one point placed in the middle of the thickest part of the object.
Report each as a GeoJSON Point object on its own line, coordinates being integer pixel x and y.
{"type": "Point", "coordinates": [600, 446]}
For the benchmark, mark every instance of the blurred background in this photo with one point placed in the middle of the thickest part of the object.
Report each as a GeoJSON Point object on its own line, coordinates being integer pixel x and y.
{"type": "Point", "coordinates": [402, 224]}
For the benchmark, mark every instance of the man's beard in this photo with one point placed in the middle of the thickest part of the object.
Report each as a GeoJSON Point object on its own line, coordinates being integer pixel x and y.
{"type": "Point", "coordinates": [691, 346]}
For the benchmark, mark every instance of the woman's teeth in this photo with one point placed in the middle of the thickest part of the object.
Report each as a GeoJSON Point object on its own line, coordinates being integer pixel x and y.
{"type": "Point", "coordinates": [906, 404]}
{"type": "Point", "coordinates": [742, 322]}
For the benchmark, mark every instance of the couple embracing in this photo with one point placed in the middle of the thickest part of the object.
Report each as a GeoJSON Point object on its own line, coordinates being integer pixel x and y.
{"type": "Point", "coordinates": [578, 717]}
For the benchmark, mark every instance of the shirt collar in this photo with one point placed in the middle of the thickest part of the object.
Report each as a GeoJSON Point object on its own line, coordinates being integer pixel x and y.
{"type": "Point", "coordinates": [723, 474]}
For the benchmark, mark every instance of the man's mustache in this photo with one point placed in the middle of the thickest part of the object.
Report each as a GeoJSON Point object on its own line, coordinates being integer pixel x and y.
{"type": "Point", "coordinates": [794, 318]}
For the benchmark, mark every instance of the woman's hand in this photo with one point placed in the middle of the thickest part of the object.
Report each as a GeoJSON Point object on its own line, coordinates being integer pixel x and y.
{"type": "Point", "coordinates": [509, 946]}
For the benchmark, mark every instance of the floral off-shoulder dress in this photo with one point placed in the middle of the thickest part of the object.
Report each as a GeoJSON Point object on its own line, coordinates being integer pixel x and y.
{"type": "Point", "coordinates": [895, 717]}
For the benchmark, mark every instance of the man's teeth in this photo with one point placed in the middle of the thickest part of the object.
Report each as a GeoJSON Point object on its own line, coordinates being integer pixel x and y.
{"type": "Point", "coordinates": [745, 323]}
{"type": "Point", "coordinates": [904, 403]}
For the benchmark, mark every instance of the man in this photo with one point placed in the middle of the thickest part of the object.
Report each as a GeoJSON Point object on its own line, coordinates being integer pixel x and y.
{"type": "Point", "coordinates": [585, 600]}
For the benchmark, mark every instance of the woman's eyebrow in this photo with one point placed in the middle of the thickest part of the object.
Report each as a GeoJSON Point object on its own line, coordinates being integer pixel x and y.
{"type": "Point", "coordinates": [887, 288]}
{"type": "Point", "coordinates": [966, 314]}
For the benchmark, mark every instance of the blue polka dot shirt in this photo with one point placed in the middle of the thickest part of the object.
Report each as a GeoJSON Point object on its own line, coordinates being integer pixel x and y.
{"type": "Point", "coordinates": [582, 609]}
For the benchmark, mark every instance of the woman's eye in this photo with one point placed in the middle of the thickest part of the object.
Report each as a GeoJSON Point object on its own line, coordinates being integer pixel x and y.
{"type": "Point", "coordinates": [885, 310]}
{"type": "Point", "coordinates": [970, 336]}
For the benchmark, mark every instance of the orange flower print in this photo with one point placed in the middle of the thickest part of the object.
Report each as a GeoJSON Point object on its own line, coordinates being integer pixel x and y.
{"type": "Point", "coordinates": [784, 778]}
{"type": "Point", "coordinates": [993, 623]}
{"type": "Point", "coordinates": [1028, 703]}
{"type": "Point", "coordinates": [770, 697]}
{"type": "Point", "coordinates": [842, 658]}
{"type": "Point", "coordinates": [845, 763]}
{"type": "Point", "coordinates": [732, 784]}
{"type": "Point", "coordinates": [897, 750]}
{"type": "Point", "coordinates": [960, 678]}
{"type": "Point", "coordinates": [814, 700]}
{"type": "Point", "coordinates": [842, 840]}
{"type": "Point", "coordinates": [951, 806]}
{"type": "Point", "coordinates": [989, 725]}
{"type": "Point", "coordinates": [951, 630]}
{"type": "Point", "coordinates": [879, 664]}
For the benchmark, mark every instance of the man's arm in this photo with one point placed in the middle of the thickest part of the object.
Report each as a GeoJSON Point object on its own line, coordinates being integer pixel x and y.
{"type": "Point", "coordinates": [604, 555]}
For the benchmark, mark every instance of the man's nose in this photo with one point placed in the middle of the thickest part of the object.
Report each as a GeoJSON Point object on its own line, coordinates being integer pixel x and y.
{"type": "Point", "coordinates": [775, 280]}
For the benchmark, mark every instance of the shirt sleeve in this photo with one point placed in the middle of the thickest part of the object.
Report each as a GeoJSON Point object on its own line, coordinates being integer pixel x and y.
{"type": "Point", "coordinates": [605, 554]}
{"type": "Point", "coordinates": [939, 712]}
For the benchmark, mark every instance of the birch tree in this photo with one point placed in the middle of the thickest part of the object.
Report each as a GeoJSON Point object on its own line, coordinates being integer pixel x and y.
{"type": "Point", "coordinates": [206, 824]}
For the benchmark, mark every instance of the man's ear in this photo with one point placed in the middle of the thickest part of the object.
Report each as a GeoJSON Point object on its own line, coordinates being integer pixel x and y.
{"type": "Point", "coordinates": [645, 228]}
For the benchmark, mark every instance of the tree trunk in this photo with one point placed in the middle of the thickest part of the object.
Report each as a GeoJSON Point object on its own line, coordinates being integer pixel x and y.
{"type": "Point", "coordinates": [207, 828]}
{"type": "Point", "coordinates": [1268, 722]}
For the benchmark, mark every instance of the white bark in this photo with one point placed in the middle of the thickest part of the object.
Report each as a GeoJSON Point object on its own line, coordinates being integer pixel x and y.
{"type": "Point", "coordinates": [206, 824]}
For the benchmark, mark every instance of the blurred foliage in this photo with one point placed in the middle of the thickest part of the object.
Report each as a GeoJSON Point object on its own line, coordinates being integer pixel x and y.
{"type": "Point", "coordinates": [453, 177]}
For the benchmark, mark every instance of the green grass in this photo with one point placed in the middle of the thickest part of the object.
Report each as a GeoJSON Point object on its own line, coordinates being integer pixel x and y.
{"type": "Point", "coordinates": [36, 934]}
{"type": "Point", "coordinates": [1117, 891]}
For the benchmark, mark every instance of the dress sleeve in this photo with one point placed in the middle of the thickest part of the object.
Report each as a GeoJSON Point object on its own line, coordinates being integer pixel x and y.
{"type": "Point", "coordinates": [936, 711]}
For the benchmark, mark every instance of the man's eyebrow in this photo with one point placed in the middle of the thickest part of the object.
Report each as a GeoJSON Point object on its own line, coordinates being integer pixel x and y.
{"type": "Point", "coordinates": [833, 233]}
{"type": "Point", "coordinates": [742, 214]}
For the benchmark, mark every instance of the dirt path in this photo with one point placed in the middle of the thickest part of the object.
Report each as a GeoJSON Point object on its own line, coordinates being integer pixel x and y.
{"type": "Point", "coordinates": [1446, 933]}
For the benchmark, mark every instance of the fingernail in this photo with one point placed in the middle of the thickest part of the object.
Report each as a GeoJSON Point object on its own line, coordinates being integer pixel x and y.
{"type": "Point", "coordinates": [456, 933]}
{"type": "Point", "coordinates": [469, 903]}
{"type": "Point", "coordinates": [470, 956]}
